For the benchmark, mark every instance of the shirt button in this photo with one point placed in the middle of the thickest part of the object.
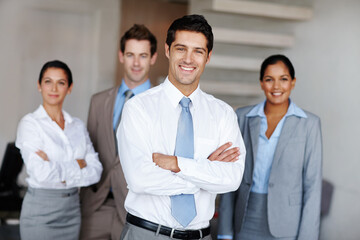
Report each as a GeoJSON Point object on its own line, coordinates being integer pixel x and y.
{"type": "Point", "coordinates": [271, 185]}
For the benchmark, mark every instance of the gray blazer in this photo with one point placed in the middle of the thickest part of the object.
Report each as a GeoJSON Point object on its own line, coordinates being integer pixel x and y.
{"type": "Point", "coordinates": [294, 190]}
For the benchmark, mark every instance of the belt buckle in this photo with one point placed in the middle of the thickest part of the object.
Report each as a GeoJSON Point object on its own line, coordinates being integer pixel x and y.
{"type": "Point", "coordinates": [201, 235]}
{"type": "Point", "coordinates": [172, 233]}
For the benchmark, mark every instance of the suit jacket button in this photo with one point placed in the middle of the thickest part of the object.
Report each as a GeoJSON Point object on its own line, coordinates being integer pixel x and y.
{"type": "Point", "coordinates": [271, 185]}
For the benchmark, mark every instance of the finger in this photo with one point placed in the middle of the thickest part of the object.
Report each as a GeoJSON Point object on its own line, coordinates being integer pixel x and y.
{"type": "Point", "coordinates": [42, 155]}
{"type": "Point", "coordinates": [218, 151]}
{"type": "Point", "coordinates": [232, 157]}
{"type": "Point", "coordinates": [228, 153]}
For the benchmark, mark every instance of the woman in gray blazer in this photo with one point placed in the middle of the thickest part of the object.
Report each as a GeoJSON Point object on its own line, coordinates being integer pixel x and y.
{"type": "Point", "coordinates": [279, 196]}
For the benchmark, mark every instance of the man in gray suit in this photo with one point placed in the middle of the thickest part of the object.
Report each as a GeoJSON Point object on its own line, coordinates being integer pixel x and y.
{"type": "Point", "coordinates": [102, 205]}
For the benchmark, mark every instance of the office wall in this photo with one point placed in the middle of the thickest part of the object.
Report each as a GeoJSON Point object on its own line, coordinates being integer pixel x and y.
{"type": "Point", "coordinates": [327, 59]}
{"type": "Point", "coordinates": [84, 34]}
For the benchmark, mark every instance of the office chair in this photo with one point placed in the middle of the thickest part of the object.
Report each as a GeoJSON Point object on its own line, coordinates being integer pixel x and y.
{"type": "Point", "coordinates": [12, 163]}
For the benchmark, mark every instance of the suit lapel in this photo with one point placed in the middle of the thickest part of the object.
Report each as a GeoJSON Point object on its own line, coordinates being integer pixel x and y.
{"type": "Point", "coordinates": [254, 129]}
{"type": "Point", "coordinates": [109, 113]}
{"type": "Point", "coordinates": [287, 131]}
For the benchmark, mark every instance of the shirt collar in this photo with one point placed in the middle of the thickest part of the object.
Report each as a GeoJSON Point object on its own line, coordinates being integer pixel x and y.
{"type": "Point", "coordinates": [293, 110]}
{"type": "Point", "coordinates": [175, 95]}
{"type": "Point", "coordinates": [139, 89]}
{"type": "Point", "coordinates": [40, 113]}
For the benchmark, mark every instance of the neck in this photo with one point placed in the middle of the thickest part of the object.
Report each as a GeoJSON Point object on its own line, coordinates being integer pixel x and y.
{"type": "Point", "coordinates": [54, 112]}
{"type": "Point", "coordinates": [276, 109]}
{"type": "Point", "coordinates": [185, 89]}
{"type": "Point", "coordinates": [133, 84]}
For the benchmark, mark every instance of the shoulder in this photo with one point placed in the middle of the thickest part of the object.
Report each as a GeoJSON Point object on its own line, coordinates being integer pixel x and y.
{"type": "Point", "coordinates": [104, 94]}
{"type": "Point", "coordinates": [28, 119]}
{"type": "Point", "coordinates": [217, 104]}
{"type": "Point", "coordinates": [311, 116]}
{"type": "Point", "coordinates": [243, 111]}
{"type": "Point", "coordinates": [78, 122]}
{"type": "Point", "coordinates": [146, 98]}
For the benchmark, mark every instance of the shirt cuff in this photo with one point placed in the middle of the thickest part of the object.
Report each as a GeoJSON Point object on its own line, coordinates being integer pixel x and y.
{"type": "Point", "coordinates": [225, 237]}
{"type": "Point", "coordinates": [185, 164]}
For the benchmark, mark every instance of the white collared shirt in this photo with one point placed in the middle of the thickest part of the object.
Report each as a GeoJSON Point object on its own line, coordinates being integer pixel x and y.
{"type": "Point", "coordinates": [149, 125]}
{"type": "Point", "coordinates": [37, 131]}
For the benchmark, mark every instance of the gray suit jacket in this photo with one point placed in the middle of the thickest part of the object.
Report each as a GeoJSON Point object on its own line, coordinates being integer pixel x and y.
{"type": "Point", "coordinates": [294, 190]}
{"type": "Point", "coordinates": [100, 127]}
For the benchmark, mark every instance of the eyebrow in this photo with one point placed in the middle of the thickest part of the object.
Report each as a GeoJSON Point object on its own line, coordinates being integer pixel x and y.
{"type": "Point", "coordinates": [284, 75]}
{"type": "Point", "coordinates": [182, 45]}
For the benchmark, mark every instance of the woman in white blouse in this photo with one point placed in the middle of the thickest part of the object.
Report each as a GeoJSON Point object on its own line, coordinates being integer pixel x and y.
{"type": "Point", "coordinates": [59, 158]}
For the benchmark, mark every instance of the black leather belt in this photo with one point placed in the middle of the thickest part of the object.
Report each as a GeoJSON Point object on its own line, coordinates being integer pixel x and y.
{"type": "Point", "coordinates": [170, 232]}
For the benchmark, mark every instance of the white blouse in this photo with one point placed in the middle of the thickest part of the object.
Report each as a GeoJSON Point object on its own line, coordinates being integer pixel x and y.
{"type": "Point", "coordinates": [37, 131]}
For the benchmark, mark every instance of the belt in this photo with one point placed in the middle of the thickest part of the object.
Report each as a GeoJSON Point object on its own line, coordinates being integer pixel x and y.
{"type": "Point", "coordinates": [170, 232]}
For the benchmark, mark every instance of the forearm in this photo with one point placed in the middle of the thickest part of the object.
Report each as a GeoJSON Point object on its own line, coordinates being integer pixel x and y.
{"type": "Point", "coordinates": [212, 176]}
{"type": "Point", "coordinates": [143, 176]}
{"type": "Point", "coordinates": [90, 174]}
{"type": "Point", "coordinates": [40, 170]}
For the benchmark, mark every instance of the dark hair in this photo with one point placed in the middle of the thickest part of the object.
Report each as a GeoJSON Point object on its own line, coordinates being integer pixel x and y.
{"type": "Point", "coordinates": [56, 64]}
{"type": "Point", "coordinates": [273, 59]}
{"type": "Point", "coordinates": [193, 23]}
{"type": "Point", "coordinates": [139, 32]}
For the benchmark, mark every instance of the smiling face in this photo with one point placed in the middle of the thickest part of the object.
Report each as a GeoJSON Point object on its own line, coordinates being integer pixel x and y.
{"type": "Point", "coordinates": [187, 55]}
{"type": "Point", "coordinates": [137, 60]}
{"type": "Point", "coordinates": [277, 83]}
{"type": "Point", "coordinates": [54, 87]}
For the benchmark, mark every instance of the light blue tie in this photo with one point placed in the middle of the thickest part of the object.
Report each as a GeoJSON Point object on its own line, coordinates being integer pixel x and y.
{"type": "Point", "coordinates": [183, 206]}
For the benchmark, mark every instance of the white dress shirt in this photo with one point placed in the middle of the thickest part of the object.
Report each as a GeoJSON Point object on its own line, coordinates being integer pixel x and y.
{"type": "Point", "coordinates": [37, 131]}
{"type": "Point", "coordinates": [149, 125]}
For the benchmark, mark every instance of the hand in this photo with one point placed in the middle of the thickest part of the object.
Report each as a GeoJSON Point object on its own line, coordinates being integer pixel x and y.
{"type": "Point", "coordinates": [223, 155]}
{"type": "Point", "coordinates": [43, 155]}
{"type": "Point", "coordinates": [166, 162]}
{"type": "Point", "coordinates": [81, 162]}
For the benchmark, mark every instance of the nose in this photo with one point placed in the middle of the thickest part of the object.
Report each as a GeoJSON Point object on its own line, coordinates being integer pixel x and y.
{"type": "Point", "coordinates": [54, 87]}
{"type": "Point", "coordinates": [188, 57]}
{"type": "Point", "coordinates": [137, 61]}
{"type": "Point", "coordinates": [277, 84]}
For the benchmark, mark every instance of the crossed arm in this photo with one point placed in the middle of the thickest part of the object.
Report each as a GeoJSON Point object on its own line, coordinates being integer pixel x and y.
{"type": "Point", "coordinates": [222, 154]}
{"type": "Point", "coordinates": [43, 155]}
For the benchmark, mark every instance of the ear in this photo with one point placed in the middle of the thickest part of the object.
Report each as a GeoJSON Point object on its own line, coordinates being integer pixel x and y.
{"type": "Point", "coordinates": [121, 56]}
{"type": "Point", "coordinates": [153, 58]}
{"type": "Point", "coordinates": [293, 83]}
{"type": "Point", "coordinates": [167, 50]}
{"type": "Point", "coordinates": [208, 57]}
{"type": "Point", "coordinates": [70, 88]}
{"type": "Point", "coordinates": [38, 86]}
{"type": "Point", "coordinates": [262, 84]}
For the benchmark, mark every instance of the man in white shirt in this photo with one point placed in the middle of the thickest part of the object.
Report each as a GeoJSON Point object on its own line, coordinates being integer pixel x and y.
{"type": "Point", "coordinates": [176, 157]}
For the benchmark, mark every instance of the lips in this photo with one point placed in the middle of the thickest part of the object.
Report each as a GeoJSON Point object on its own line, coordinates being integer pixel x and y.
{"type": "Point", "coordinates": [188, 69]}
{"type": "Point", "coordinates": [53, 95]}
{"type": "Point", "coordinates": [136, 70]}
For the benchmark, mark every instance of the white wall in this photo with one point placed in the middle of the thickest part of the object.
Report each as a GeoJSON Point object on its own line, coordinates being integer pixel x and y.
{"type": "Point", "coordinates": [327, 59]}
{"type": "Point", "coordinates": [84, 34]}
